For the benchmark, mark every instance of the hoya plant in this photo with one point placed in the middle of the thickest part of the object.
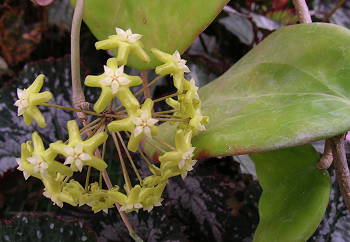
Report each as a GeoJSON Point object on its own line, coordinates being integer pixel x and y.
{"type": "Point", "coordinates": [289, 90]}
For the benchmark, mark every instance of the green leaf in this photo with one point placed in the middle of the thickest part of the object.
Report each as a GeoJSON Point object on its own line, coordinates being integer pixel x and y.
{"type": "Point", "coordinates": [295, 194]}
{"type": "Point", "coordinates": [291, 89]}
{"type": "Point", "coordinates": [168, 25]}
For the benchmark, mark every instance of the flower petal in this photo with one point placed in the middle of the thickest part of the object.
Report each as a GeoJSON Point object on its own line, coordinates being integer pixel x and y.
{"type": "Point", "coordinates": [79, 165]}
{"type": "Point", "coordinates": [138, 205]}
{"type": "Point", "coordinates": [115, 87]}
{"type": "Point", "coordinates": [119, 71]}
{"type": "Point", "coordinates": [106, 81]}
{"type": "Point", "coordinates": [147, 131]}
{"type": "Point", "coordinates": [123, 80]}
{"type": "Point", "coordinates": [69, 160]}
{"type": "Point", "coordinates": [119, 31]}
{"type": "Point", "coordinates": [84, 156]}
{"type": "Point", "coordinates": [138, 130]}
{"type": "Point", "coordinates": [152, 121]}
{"type": "Point", "coordinates": [20, 93]}
{"type": "Point", "coordinates": [26, 175]}
{"type": "Point", "coordinates": [176, 56]}
{"type": "Point", "coordinates": [68, 150]}
{"type": "Point", "coordinates": [137, 121]}
{"type": "Point", "coordinates": [78, 149]}
{"type": "Point", "coordinates": [181, 164]}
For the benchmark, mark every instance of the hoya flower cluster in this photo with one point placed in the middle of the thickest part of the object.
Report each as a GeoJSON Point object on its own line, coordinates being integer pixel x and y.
{"type": "Point", "coordinates": [132, 120]}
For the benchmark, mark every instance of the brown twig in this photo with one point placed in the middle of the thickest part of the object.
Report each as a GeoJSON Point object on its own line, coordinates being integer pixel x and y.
{"type": "Point", "coordinates": [78, 98]}
{"type": "Point", "coordinates": [302, 11]}
{"type": "Point", "coordinates": [341, 167]}
{"type": "Point", "coordinates": [109, 185]}
{"type": "Point", "coordinates": [327, 158]}
{"type": "Point", "coordinates": [337, 6]}
{"type": "Point", "coordinates": [146, 90]}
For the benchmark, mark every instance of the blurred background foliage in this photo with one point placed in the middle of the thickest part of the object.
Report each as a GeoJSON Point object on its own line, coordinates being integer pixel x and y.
{"type": "Point", "coordinates": [217, 202]}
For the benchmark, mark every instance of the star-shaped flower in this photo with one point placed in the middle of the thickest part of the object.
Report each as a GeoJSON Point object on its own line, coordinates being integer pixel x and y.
{"type": "Point", "coordinates": [100, 199]}
{"type": "Point", "coordinates": [22, 167]}
{"type": "Point", "coordinates": [80, 153]}
{"type": "Point", "coordinates": [53, 198]}
{"type": "Point", "coordinates": [180, 160]}
{"type": "Point", "coordinates": [143, 124]}
{"type": "Point", "coordinates": [151, 197]}
{"type": "Point", "coordinates": [139, 123]}
{"type": "Point", "coordinates": [180, 63]}
{"type": "Point", "coordinates": [76, 156]}
{"type": "Point", "coordinates": [114, 83]}
{"type": "Point", "coordinates": [39, 165]}
{"type": "Point", "coordinates": [126, 42]}
{"type": "Point", "coordinates": [74, 190]}
{"type": "Point", "coordinates": [127, 35]}
{"type": "Point", "coordinates": [173, 65]}
{"type": "Point", "coordinates": [29, 99]}
{"type": "Point", "coordinates": [54, 191]}
{"type": "Point", "coordinates": [114, 78]}
{"type": "Point", "coordinates": [39, 162]}
{"type": "Point", "coordinates": [133, 201]}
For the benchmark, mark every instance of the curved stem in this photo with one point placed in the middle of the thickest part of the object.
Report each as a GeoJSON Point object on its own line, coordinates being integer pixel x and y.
{"type": "Point", "coordinates": [337, 6]}
{"type": "Point", "coordinates": [327, 158]}
{"type": "Point", "coordinates": [341, 167]}
{"type": "Point", "coordinates": [78, 97]}
{"type": "Point", "coordinates": [121, 159]}
{"type": "Point", "coordinates": [302, 11]}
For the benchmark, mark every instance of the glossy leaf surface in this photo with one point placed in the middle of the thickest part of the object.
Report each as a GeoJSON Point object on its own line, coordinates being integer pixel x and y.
{"type": "Point", "coordinates": [291, 89]}
{"type": "Point", "coordinates": [295, 194]}
{"type": "Point", "coordinates": [167, 25]}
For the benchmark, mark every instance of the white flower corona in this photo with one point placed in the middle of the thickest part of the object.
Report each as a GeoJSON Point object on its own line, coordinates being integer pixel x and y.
{"type": "Point", "coordinates": [23, 100]}
{"type": "Point", "coordinates": [55, 200]}
{"type": "Point", "coordinates": [181, 63]}
{"type": "Point", "coordinates": [40, 166]}
{"type": "Point", "coordinates": [114, 78]}
{"type": "Point", "coordinates": [143, 124]}
{"type": "Point", "coordinates": [156, 204]}
{"type": "Point", "coordinates": [127, 35]}
{"type": "Point", "coordinates": [76, 156]}
{"type": "Point", "coordinates": [131, 206]}
{"type": "Point", "coordinates": [187, 163]}
{"type": "Point", "coordinates": [20, 168]}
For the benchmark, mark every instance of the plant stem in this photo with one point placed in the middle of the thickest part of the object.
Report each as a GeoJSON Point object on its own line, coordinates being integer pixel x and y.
{"type": "Point", "coordinates": [302, 11]}
{"type": "Point", "coordinates": [146, 90]}
{"type": "Point", "coordinates": [327, 158]}
{"type": "Point", "coordinates": [337, 6]}
{"type": "Point", "coordinates": [78, 97]}
{"type": "Point", "coordinates": [172, 119]}
{"type": "Point", "coordinates": [70, 109]}
{"type": "Point", "coordinates": [108, 182]}
{"type": "Point", "coordinates": [155, 146]}
{"type": "Point", "coordinates": [81, 110]}
{"type": "Point", "coordinates": [125, 171]}
{"type": "Point", "coordinates": [163, 143]}
{"type": "Point", "coordinates": [165, 97]}
{"type": "Point", "coordinates": [167, 111]}
{"type": "Point", "coordinates": [341, 167]}
{"type": "Point", "coordinates": [91, 124]}
{"type": "Point", "coordinates": [87, 178]}
{"type": "Point", "coordinates": [148, 85]}
{"type": "Point", "coordinates": [145, 158]}
{"type": "Point", "coordinates": [129, 157]}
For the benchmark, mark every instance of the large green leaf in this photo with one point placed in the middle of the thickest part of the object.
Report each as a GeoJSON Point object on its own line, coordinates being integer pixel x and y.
{"type": "Point", "coordinates": [295, 194]}
{"type": "Point", "coordinates": [168, 25]}
{"type": "Point", "coordinates": [291, 89]}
